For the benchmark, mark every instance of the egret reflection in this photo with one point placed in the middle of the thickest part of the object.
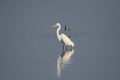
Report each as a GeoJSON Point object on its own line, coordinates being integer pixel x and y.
{"type": "Point", "coordinates": [63, 60]}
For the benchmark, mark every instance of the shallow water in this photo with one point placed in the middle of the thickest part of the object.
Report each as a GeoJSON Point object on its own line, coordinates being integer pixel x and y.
{"type": "Point", "coordinates": [30, 50]}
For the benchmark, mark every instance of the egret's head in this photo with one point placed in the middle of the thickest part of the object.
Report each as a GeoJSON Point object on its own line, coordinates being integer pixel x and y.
{"type": "Point", "coordinates": [56, 25]}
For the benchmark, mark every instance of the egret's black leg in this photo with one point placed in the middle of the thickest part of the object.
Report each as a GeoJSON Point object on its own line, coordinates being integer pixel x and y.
{"type": "Point", "coordinates": [65, 48]}
{"type": "Point", "coordinates": [71, 47]}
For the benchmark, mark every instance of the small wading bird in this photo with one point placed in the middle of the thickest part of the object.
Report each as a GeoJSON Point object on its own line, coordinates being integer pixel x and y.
{"type": "Point", "coordinates": [67, 29]}
{"type": "Point", "coordinates": [62, 37]}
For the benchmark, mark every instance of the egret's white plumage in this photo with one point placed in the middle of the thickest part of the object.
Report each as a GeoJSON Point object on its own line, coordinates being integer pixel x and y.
{"type": "Point", "coordinates": [62, 37]}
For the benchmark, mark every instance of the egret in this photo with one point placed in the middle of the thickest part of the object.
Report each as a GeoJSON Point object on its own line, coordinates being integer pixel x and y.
{"type": "Point", "coordinates": [62, 37]}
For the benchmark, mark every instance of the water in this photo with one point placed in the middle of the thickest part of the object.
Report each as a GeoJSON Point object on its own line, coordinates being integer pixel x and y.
{"type": "Point", "coordinates": [29, 48]}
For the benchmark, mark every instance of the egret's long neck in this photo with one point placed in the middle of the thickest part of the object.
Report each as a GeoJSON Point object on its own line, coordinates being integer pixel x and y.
{"type": "Point", "coordinates": [58, 33]}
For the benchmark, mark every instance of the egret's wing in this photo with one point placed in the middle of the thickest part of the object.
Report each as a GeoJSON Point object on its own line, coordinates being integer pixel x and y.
{"type": "Point", "coordinates": [65, 38]}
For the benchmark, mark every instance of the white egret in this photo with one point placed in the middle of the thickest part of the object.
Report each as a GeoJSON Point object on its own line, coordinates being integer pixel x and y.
{"type": "Point", "coordinates": [62, 37]}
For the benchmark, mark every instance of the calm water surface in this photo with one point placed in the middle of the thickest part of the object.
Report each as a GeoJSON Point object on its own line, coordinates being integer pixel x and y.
{"type": "Point", "coordinates": [34, 57]}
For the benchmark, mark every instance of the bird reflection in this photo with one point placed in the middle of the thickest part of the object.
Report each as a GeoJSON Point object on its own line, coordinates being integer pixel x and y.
{"type": "Point", "coordinates": [63, 60]}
